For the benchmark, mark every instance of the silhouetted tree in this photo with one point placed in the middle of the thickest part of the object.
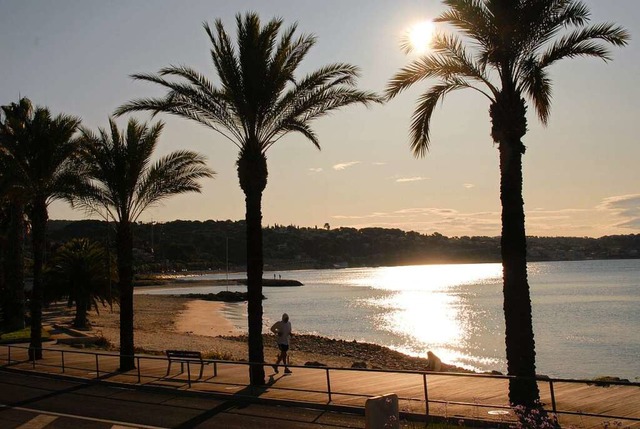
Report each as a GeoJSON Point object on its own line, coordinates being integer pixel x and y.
{"type": "Point", "coordinates": [80, 271]}
{"type": "Point", "coordinates": [12, 198]}
{"type": "Point", "coordinates": [513, 43]}
{"type": "Point", "coordinates": [43, 163]}
{"type": "Point", "coordinates": [124, 183]}
{"type": "Point", "coordinates": [259, 100]}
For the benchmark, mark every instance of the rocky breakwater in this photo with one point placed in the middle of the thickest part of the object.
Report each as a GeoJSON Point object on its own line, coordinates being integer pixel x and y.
{"type": "Point", "coordinates": [372, 355]}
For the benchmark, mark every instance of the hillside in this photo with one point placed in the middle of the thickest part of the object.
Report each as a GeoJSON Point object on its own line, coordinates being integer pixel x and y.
{"type": "Point", "coordinates": [197, 245]}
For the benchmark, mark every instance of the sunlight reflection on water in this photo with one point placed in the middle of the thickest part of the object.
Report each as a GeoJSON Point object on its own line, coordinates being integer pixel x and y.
{"type": "Point", "coordinates": [584, 312]}
{"type": "Point", "coordinates": [426, 306]}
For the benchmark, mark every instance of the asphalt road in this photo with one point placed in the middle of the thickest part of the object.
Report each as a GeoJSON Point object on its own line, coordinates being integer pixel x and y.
{"type": "Point", "coordinates": [33, 402]}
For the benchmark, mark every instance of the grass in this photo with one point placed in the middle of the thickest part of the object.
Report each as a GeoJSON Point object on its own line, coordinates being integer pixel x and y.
{"type": "Point", "coordinates": [21, 336]}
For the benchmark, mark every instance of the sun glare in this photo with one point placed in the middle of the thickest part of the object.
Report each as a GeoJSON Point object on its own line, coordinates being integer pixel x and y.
{"type": "Point", "coordinates": [420, 36]}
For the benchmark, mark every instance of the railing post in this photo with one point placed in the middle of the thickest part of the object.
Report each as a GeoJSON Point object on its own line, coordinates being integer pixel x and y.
{"type": "Point", "coordinates": [188, 374]}
{"type": "Point", "coordinates": [97, 367]}
{"type": "Point", "coordinates": [62, 359]}
{"type": "Point", "coordinates": [328, 384]}
{"type": "Point", "coordinates": [215, 369]}
{"type": "Point", "coordinates": [9, 356]}
{"type": "Point", "coordinates": [33, 357]}
{"type": "Point", "coordinates": [426, 395]}
{"type": "Point", "coordinates": [138, 366]}
{"type": "Point", "coordinates": [553, 397]}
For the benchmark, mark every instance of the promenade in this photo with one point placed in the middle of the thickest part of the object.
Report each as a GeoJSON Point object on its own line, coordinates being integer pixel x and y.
{"type": "Point", "coordinates": [441, 396]}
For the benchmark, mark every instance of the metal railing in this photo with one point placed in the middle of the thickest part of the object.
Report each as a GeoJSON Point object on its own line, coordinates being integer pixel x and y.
{"type": "Point", "coordinates": [328, 370]}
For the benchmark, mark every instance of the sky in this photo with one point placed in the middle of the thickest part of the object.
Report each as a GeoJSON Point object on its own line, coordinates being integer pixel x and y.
{"type": "Point", "coordinates": [581, 175]}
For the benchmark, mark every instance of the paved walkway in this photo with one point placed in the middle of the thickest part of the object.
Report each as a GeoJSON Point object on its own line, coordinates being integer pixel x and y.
{"type": "Point", "coordinates": [451, 397]}
{"type": "Point", "coordinates": [30, 401]}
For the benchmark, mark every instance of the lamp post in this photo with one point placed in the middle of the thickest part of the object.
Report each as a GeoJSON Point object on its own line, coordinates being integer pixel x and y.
{"type": "Point", "coordinates": [227, 253]}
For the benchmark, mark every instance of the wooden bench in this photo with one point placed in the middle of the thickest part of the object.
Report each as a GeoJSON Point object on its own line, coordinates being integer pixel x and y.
{"type": "Point", "coordinates": [188, 357]}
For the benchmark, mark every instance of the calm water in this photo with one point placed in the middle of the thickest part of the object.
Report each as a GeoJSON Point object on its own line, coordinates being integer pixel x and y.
{"type": "Point", "coordinates": [586, 314]}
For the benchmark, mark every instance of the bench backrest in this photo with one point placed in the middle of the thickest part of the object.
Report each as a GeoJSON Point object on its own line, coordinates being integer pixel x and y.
{"type": "Point", "coordinates": [184, 354]}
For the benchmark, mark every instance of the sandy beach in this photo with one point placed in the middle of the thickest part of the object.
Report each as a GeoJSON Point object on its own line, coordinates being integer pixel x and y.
{"type": "Point", "coordinates": [169, 322]}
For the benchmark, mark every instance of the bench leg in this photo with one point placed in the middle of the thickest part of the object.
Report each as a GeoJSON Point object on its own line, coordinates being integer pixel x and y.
{"type": "Point", "coordinates": [168, 369]}
{"type": "Point", "coordinates": [201, 369]}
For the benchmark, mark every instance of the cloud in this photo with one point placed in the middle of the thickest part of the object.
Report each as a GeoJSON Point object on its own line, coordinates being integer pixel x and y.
{"type": "Point", "coordinates": [315, 170]}
{"type": "Point", "coordinates": [614, 215]}
{"type": "Point", "coordinates": [622, 203]}
{"type": "Point", "coordinates": [623, 206]}
{"type": "Point", "coordinates": [378, 163]}
{"type": "Point", "coordinates": [469, 185]}
{"type": "Point", "coordinates": [410, 179]}
{"type": "Point", "coordinates": [429, 220]}
{"type": "Point", "coordinates": [342, 166]}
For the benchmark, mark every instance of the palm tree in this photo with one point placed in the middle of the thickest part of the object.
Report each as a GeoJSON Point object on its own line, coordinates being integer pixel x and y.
{"type": "Point", "coordinates": [511, 46]}
{"type": "Point", "coordinates": [11, 252]}
{"type": "Point", "coordinates": [124, 183]}
{"type": "Point", "coordinates": [79, 271]}
{"type": "Point", "coordinates": [258, 101]}
{"type": "Point", "coordinates": [42, 157]}
{"type": "Point", "coordinates": [12, 199]}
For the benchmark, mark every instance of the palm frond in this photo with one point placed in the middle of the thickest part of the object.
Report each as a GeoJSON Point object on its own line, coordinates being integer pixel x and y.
{"type": "Point", "coordinates": [445, 65]}
{"type": "Point", "coordinates": [536, 84]}
{"type": "Point", "coordinates": [176, 173]}
{"type": "Point", "coordinates": [123, 183]}
{"type": "Point", "coordinates": [541, 21]}
{"type": "Point", "coordinates": [471, 17]}
{"type": "Point", "coordinates": [315, 104]}
{"type": "Point", "coordinates": [421, 119]}
{"type": "Point", "coordinates": [584, 42]}
{"type": "Point", "coordinates": [258, 98]}
{"type": "Point", "coordinates": [309, 93]}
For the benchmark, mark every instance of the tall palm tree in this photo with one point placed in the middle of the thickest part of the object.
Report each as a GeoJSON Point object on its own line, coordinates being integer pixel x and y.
{"type": "Point", "coordinates": [258, 101]}
{"type": "Point", "coordinates": [79, 272]}
{"type": "Point", "coordinates": [12, 123]}
{"type": "Point", "coordinates": [124, 183]}
{"type": "Point", "coordinates": [511, 44]}
{"type": "Point", "coordinates": [43, 163]}
{"type": "Point", "coordinates": [11, 251]}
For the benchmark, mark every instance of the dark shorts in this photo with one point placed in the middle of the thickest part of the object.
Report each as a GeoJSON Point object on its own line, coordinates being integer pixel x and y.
{"type": "Point", "coordinates": [283, 347]}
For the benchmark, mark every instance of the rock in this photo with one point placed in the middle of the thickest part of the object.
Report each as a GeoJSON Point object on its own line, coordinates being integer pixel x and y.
{"type": "Point", "coordinates": [314, 363]}
{"type": "Point", "coordinates": [362, 365]}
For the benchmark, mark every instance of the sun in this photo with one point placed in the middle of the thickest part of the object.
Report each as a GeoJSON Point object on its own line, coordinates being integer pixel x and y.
{"type": "Point", "coordinates": [420, 36]}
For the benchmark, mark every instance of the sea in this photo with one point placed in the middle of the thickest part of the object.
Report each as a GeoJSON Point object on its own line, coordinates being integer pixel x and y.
{"type": "Point", "coordinates": [586, 314]}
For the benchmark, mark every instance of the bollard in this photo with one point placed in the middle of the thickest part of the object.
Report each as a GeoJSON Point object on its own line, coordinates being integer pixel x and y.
{"type": "Point", "coordinates": [381, 412]}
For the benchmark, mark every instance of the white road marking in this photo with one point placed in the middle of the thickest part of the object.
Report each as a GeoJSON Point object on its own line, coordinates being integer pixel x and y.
{"type": "Point", "coordinates": [54, 415]}
{"type": "Point", "coordinates": [38, 422]}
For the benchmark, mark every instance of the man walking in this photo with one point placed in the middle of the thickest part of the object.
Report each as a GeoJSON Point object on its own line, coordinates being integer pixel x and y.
{"type": "Point", "coordinates": [282, 329]}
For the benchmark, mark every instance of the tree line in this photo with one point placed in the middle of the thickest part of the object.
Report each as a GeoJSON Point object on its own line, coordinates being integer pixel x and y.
{"type": "Point", "coordinates": [209, 245]}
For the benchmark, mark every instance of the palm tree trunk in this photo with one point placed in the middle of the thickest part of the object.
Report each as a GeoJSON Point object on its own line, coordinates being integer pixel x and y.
{"type": "Point", "coordinates": [252, 172]}
{"type": "Point", "coordinates": [14, 269]}
{"type": "Point", "coordinates": [519, 338]}
{"type": "Point", "coordinates": [38, 233]}
{"type": "Point", "coordinates": [254, 285]}
{"type": "Point", "coordinates": [509, 125]}
{"type": "Point", "coordinates": [80, 320]}
{"type": "Point", "coordinates": [124, 248]}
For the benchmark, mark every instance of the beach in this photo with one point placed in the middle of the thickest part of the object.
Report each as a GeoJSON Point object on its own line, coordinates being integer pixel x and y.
{"type": "Point", "coordinates": [164, 322]}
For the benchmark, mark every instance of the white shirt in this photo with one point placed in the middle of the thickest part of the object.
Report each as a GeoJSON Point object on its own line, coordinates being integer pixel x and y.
{"type": "Point", "coordinates": [283, 331]}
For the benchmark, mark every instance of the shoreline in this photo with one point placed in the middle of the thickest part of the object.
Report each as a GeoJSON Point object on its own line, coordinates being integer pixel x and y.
{"type": "Point", "coordinates": [164, 322]}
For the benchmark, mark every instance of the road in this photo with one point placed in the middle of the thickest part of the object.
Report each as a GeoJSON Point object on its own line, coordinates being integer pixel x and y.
{"type": "Point", "coordinates": [29, 401]}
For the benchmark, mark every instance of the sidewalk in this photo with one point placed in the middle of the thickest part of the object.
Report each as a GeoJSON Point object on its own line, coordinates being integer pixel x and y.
{"type": "Point", "coordinates": [32, 401]}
